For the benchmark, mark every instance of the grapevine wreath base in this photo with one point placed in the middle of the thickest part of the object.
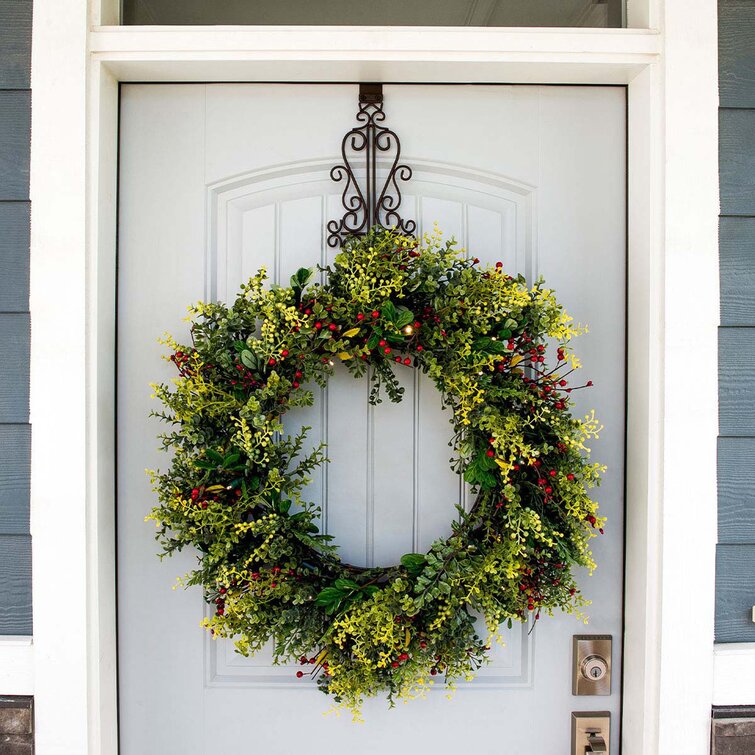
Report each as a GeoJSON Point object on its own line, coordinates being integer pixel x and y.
{"type": "Point", "coordinates": [233, 488]}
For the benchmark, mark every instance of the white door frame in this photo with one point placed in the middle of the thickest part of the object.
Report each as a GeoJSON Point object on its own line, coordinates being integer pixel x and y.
{"type": "Point", "coordinates": [671, 73]}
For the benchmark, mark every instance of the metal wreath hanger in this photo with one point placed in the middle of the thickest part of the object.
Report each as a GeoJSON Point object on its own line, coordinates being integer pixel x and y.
{"type": "Point", "coordinates": [366, 207]}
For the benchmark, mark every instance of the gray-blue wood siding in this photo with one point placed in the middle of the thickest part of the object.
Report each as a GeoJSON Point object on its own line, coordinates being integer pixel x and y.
{"type": "Point", "coordinates": [15, 432]}
{"type": "Point", "coordinates": [735, 560]}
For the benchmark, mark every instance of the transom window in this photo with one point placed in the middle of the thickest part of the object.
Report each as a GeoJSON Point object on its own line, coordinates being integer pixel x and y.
{"type": "Point", "coordinates": [493, 13]}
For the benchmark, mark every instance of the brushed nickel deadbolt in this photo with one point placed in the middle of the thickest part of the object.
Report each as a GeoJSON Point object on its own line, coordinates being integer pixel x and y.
{"type": "Point", "coordinates": [591, 667]}
{"type": "Point", "coordinates": [590, 732]}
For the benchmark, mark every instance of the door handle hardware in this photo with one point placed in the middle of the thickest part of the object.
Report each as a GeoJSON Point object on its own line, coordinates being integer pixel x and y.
{"type": "Point", "coordinates": [590, 732]}
{"type": "Point", "coordinates": [591, 664]}
{"type": "Point", "coordinates": [595, 742]}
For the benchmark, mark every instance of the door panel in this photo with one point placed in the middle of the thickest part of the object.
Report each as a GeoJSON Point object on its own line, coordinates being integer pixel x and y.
{"type": "Point", "coordinates": [218, 180]}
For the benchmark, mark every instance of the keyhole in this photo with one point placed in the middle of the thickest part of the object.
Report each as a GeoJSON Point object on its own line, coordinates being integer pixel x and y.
{"type": "Point", "coordinates": [595, 672]}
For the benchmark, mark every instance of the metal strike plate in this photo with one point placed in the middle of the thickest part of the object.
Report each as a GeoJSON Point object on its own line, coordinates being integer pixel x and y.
{"type": "Point", "coordinates": [591, 666]}
{"type": "Point", "coordinates": [590, 732]}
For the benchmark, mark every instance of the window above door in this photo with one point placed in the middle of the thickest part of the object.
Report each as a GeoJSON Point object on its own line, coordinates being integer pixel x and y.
{"type": "Point", "coordinates": [480, 13]}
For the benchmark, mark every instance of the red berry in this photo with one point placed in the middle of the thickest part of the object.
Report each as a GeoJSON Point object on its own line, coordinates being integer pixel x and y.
{"type": "Point", "coordinates": [360, 316]}
{"type": "Point", "coordinates": [423, 644]}
{"type": "Point", "coordinates": [220, 611]}
{"type": "Point", "coordinates": [476, 261]}
{"type": "Point", "coordinates": [419, 347]}
{"type": "Point", "coordinates": [553, 473]}
{"type": "Point", "coordinates": [295, 384]}
{"type": "Point", "coordinates": [195, 494]}
{"type": "Point", "coordinates": [299, 674]}
{"type": "Point", "coordinates": [549, 490]}
{"type": "Point", "coordinates": [297, 374]}
{"type": "Point", "coordinates": [404, 657]}
{"type": "Point", "coordinates": [271, 361]}
{"type": "Point", "coordinates": [284, 353]}
{"type": "Point", "coordinates": [332, 326]}
{"type": "Point", "coordinates": [589, 383]}
{"type": "Point", "coordinates": [318, 325]}
{"type": "Point", "coordinates": [570, 476]}
{"type": "Point", "coordinates": [490, 452]}
{"type": "Point", "coordinates": [375, 314]}
{"type": "Point", "coordinates": [394, 664]}
{"type": "Point", "coordinates": [386, 350]}
{"type": "Point", "coordinates": [273, 584]}
{"type": "Point", "coordinates": [222, 591]}
{"type": "Point", "coordinates": [381, 342]}
{"type": "Point", "coordinates": [398, 360]}
{"type": "Point", "coordinates": [204, 504]}
{"type": "Point", "coordinates": [562, 383]}
{"type": "Point", "coordinates": [407, 361]}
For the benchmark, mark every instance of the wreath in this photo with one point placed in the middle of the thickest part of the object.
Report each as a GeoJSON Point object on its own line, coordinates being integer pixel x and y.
{"type": "Point", "coordinates": [498, 352]}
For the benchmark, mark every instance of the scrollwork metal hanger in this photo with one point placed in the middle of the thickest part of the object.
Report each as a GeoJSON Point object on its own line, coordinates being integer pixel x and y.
{"type": "Point", "coordinates": [365, 206]}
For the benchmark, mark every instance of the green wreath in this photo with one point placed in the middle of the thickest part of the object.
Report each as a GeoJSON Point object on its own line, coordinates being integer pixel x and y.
{"type": "Point", "coordinates": [233, 488]}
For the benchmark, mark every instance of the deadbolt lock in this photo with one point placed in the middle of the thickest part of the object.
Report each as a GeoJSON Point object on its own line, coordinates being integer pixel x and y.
{"type": "Point", "coordinates": [591, 674]}
{"type": "Point", "coordinates": [590, 732]}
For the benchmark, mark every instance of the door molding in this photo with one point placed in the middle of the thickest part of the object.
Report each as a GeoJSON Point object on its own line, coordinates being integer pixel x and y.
{"type": "Point", "coordinates": [671, 77]}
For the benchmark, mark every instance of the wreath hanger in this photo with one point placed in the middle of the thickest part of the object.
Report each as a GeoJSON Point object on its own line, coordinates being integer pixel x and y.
{"type": "Point", "coordinates": [368, 203]}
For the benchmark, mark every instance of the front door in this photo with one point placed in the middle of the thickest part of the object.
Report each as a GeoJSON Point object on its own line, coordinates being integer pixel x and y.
{"type": "Point", "coordinates": [218, 180]}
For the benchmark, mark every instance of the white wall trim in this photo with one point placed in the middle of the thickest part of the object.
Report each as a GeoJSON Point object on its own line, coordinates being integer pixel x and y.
{"type": "Point", "coordinates": [734, 674]}
{"type": "Point", "coordinates": [16, 665]}
{"type": "Point", "coordinates": [673, 207]}
{"type": "Point", "coordinates": [401, 54]}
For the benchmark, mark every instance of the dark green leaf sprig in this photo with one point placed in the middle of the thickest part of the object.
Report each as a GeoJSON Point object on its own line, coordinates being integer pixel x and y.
{"type": "Point", "coordinates": [498, 352]}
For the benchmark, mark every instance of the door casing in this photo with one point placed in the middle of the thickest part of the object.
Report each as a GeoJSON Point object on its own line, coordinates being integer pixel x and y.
{"type": "Point", "coordinates": [671, 75]}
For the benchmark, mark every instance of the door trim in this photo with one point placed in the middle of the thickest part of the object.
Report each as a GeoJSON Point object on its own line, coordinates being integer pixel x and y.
{"type": "Point", "coordinates": [671, 77]}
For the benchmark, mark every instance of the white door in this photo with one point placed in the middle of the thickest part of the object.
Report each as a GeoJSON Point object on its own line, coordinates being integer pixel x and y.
{"type": "Point", "coordinates": [217, 180]}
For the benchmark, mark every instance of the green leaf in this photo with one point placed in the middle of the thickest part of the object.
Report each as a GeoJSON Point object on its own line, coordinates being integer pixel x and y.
{"type": "Point", "coordinates": [284, 506]}
{"type": "Point", "coordinates": [414, 563]}
{"type": "Point", "coordinates": [373, 342]}
{"type": "Point", "coordinates": [405, 316]}
{"type": "Point", "coordinates": [328, 596]}
{"type": "Point", "coordinates": [248, 359]}
{"type": "Point", "coordinates": [300, 279]}
{"type": "Point", "coordinates": [487, 345]}
{"type": "Point", "coordinates": [214, 456]}
{"type": "Point", "coordinates": [346, 585]}
{"type": "Point", "coordinates": [388, 310]}
{"type": "Point", "coordinates": [413, 560]}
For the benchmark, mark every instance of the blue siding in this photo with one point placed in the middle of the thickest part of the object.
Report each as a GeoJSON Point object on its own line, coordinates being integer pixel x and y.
{"type": "Point", "coordinates": [15, 432]}
{"type": "Point", "coordinates": [735, 561]}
